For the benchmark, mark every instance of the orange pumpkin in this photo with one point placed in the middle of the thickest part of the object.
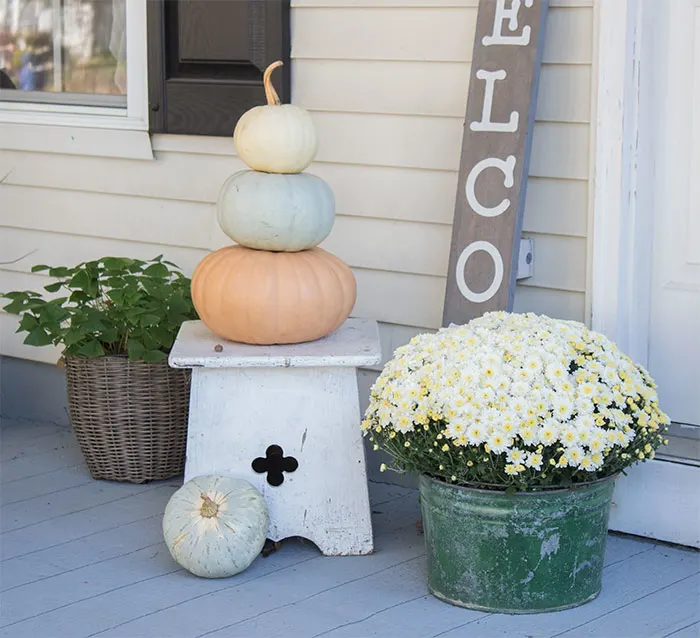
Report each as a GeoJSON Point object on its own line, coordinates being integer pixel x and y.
{"type": "Point", "coordinates": [260, 297]}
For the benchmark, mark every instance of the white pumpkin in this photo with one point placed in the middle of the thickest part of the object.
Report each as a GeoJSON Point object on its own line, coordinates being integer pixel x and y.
{"type": "Point", "coordinates": [215, 526]}
{"type": "Point", "coordinates": [275, 212]}
{"type": "Point", "coordinates": [276, 138]}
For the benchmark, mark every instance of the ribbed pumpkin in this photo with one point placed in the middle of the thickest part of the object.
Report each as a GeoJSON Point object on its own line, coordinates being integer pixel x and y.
{"type": "Point", "coordinates": [215, 526]}
{"type": "Point", "coordinates": [275, 138]}
{"type": "Point", "coordinates": [260, 297]}
{"type": "Point", "coordinates": [269, 211]}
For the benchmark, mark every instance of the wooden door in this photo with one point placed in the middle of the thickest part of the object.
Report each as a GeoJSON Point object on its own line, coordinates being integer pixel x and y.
{"type": "Point", "coordinates": [661, 499]}
{"type": "Point", "coordinates": [674, 341]}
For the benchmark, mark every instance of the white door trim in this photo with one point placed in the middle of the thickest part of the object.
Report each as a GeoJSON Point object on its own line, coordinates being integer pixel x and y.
{"type": "Point", "coordinates": [658, 499]}
{"type": "Point", "coordinates": [622, 211]}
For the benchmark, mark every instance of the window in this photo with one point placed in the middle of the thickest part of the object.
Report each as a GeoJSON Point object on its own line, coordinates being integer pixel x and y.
{"type": "Point", "coordinates": [63, 51]}
{"type": "Point", "coordinates": [72, 63]}
{"type": "Point", "coordinates": [189, 67]}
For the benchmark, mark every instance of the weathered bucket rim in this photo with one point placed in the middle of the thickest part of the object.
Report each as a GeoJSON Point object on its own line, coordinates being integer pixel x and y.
{"type": "Point", "coordinates": [535, 492]}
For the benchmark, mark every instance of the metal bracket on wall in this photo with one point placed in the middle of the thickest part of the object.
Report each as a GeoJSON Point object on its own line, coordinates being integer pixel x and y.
{"type": "Point", "coordinates": [526, 259]}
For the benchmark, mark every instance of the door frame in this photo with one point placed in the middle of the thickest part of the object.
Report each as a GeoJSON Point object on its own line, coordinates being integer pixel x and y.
{"type": "Point", "coordinates": [658, 498]}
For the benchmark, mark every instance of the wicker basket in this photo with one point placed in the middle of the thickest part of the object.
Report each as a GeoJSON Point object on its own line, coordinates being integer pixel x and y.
{"type": "Point", "coordinates": [130, 417]}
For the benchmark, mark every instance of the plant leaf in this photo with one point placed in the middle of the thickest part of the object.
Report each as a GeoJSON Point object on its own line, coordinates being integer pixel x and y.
{"type": "Point", "coordinates": [53, 287]}
{"type": "Point", "coordinates": [60, 272]}
{"type": "Point", "coordinates": [92, 348]}
{"type": "Point", "coordinates": [136, 349]}
{"type": "Point", "coordinates": [151, 356]}
{"type": "Point", "coordinates": [157, 270]}
{"type": "Point", "coordinates": [28, 323]}
{"type": "Point", "coordinates": [38, 337]}
{"type": "Point", "coordinates": [149, 320]}
{"type": "Point", "coordinates": [15, 307]}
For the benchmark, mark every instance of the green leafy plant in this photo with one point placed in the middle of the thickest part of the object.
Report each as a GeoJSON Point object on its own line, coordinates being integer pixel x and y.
{"type": "Point", "coordinates": [111, 306]}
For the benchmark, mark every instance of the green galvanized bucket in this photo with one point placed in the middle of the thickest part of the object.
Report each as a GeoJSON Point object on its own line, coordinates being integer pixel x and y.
{"type": "Point", "coordinates": [529, 552]}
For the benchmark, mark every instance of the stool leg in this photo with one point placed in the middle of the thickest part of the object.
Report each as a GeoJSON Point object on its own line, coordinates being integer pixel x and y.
{"type": "Point", "coordinates": [313, 415]}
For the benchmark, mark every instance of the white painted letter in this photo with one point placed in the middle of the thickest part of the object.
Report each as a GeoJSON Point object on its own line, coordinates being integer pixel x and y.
{"type": "Point", "coordinates": [511, 15]}
{"type": "Point", "coordinates": [487, 247]}
{"type": "Point", "coordinates": [486, 124]}
{"type": "Point", "coordinates": [507, 167]}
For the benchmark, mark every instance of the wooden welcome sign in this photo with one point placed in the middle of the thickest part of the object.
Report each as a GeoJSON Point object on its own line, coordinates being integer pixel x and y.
{"type": "Point", "coordinates": [495, 158]}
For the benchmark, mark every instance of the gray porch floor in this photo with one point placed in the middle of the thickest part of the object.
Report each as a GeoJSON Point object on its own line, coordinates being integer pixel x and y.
{"type": "Point", "coordinates": [85, 558]}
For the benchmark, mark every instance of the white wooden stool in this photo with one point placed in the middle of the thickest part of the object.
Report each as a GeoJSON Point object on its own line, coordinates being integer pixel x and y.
{"type": "Point", "coordinates": [286, 419]}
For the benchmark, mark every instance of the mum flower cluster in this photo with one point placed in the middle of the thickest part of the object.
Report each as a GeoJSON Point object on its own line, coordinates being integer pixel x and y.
{"type": "Point", "coordinates": [514, 400]}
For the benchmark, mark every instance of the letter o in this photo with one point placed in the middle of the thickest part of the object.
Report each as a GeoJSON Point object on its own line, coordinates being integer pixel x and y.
{"type": "Point", "coordinates": [487, 247]}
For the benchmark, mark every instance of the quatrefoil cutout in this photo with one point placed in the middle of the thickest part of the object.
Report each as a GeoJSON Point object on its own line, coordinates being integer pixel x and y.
{"type": "Point", "coordinates": [275, 463]}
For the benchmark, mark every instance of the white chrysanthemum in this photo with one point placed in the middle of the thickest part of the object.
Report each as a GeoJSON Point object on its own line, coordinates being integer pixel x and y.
{"type": "Point", "coordinates": [476, 435]}
{"type": "Point", "coordinates": [552, 386]}
{"type": "Point", "coordinates": [534, 460]}
{"type": "Point", "coordinates": [499, 442]}
{"type": "Point", "coordinates": [456, 429]}
{"type": "Point", "coordinates": [563, 407]}
{"type": "Point", "coordinates": [548, 433]}
{"type": "Point", "coordinates": [515, 456]}
{"type": "Point", "coordinates": [520, 388]}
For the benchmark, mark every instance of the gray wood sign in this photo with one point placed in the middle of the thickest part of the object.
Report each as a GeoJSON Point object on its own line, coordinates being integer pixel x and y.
{"type": "Point", "coordinates": [495, 157]}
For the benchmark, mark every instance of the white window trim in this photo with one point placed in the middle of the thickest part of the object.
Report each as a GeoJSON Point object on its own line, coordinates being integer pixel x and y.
{"type": "Point", "coordinates": [89, 130]}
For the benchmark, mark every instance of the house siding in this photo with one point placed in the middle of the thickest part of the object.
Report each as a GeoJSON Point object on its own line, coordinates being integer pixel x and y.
{"type": "Point", "coordinates": [386, 84]}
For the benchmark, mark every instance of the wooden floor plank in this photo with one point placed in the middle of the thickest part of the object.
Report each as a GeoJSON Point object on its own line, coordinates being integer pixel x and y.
{"type": "Point", "coordinates": [418, 618]}
{"type": "Point", "coordinates": [22, 468]}
{"type": "Point", "coordinates": [662, 612]}
{"type": "Point", "coordinates": [86, 551]}
{"type": "Point", "coordinates": [100, 613]}
{"type": "Point", "coordinates": [75, 526]}
{"type": "Point", "coordinates": [690, 631]}
{"type": "Point", "coordinates": [43, 484]}
{"type": "Point", "coordinates": [395, 514]}
{"type": "Point", "coordinates": [13, 432]}
{"type": "Point", "coordinates": [64, 502]}
{"type": "Point", "coordinates": [52, 441]}
{"type": "Point", "coordinates": [329, 609]}
{"type": "Point", "coordinates": [171, 614]}
{"type": "Point", "coordinates": [381, 493]}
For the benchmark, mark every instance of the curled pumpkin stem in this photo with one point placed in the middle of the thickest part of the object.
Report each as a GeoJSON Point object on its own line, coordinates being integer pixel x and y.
{"type": "Point", "coordinates": [270, 93]}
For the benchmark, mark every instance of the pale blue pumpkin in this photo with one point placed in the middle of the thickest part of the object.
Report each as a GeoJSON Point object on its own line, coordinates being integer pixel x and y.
{"type": "Point", "coordinates": [277, 212]}
{"type": "Point", "coordinates": [215, 526]}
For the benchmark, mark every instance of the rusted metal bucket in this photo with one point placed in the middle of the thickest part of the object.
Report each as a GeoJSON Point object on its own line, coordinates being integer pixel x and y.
{"type": "Point", "coordinates": [527, 552]}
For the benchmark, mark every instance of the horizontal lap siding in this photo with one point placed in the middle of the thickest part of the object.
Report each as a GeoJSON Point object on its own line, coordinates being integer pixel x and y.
{"type": "Point", "coordinates": [386, 84]}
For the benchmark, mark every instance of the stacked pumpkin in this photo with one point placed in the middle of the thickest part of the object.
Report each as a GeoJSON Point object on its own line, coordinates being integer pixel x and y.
{"type": "Point", "coordinates": [275, 286]}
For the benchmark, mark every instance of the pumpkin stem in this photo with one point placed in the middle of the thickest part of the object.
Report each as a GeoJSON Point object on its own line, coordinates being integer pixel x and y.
{"type": "Point", "coordinates": [209, 509]}
{"type": "Point", "coordinates": [270, 93]}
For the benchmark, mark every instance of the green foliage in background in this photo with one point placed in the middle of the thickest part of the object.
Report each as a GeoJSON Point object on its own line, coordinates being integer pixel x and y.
{"type": "Point", "coordinates": [111, 306]}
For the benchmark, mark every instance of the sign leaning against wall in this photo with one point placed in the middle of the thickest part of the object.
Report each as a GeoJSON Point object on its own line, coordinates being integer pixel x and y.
{"type": "Point", "coordinates": [495, 158]}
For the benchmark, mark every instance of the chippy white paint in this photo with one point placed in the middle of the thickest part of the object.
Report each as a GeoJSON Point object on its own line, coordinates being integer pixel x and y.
{"type": "Point", "coordinates": [302, 397]}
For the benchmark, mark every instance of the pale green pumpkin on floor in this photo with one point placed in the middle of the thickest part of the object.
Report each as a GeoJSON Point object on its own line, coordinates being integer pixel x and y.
{"type": "Point", "coordinates": [215, 526]}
